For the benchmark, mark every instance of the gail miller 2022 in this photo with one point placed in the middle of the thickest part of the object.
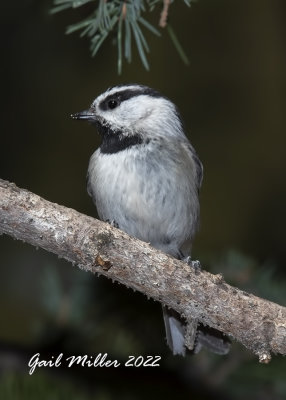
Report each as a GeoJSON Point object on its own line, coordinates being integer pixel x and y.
{"type": "Point", "coordinates": [100, 360]}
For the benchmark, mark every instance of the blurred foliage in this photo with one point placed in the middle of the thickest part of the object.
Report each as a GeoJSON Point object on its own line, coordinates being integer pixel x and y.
{"type": "Point", "coordinates": [247, 273]}
{"type": "Point", "coordinates": [125, 17]}
{"type": "Point", "coordinates": [17, 386]}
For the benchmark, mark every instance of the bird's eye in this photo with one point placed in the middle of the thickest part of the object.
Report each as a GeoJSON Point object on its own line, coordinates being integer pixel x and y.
{"type": "Point", "coordinates": [112, 104]}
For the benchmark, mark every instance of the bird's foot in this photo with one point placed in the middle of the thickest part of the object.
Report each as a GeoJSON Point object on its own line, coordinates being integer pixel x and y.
{"type": "Point", "coordinates": [112, 223]}
{"type": "Point", "coordinates": [195, 264]}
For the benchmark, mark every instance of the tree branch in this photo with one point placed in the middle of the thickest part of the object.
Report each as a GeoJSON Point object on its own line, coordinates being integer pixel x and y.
{"type": "Point", "coordinates": [95, 246]}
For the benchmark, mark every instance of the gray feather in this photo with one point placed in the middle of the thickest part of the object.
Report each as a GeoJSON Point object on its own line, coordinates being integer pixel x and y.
{"type": "Point", "coordinates": [175, 332]}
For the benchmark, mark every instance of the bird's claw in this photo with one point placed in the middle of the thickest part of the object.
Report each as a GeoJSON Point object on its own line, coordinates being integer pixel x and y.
{"type": "Point", "coordinates": [195, 264]}
{"type": "Point", "coordinates": [112, 223]}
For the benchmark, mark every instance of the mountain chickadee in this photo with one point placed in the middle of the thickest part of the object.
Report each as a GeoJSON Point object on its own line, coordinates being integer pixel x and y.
{"type": "Point", "coordinates": [145, 179]}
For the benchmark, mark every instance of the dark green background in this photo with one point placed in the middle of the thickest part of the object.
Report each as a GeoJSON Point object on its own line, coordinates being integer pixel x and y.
{"type": "Point", "coordinates": [232, 98]}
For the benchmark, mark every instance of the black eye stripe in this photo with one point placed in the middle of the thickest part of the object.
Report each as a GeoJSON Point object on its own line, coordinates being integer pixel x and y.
{"type": "Point", "coordinates": [127, 94]}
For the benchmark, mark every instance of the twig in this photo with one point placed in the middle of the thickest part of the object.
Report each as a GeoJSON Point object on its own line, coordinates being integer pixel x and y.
{"type": "Point", "coordinates": [164, 13]}
{"type": "Point", "coordinates": [97, 247]}
{"type": "Point", "coordinates": [124, 10]}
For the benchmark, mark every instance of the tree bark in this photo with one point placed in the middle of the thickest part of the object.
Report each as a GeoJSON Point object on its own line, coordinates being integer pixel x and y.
{"type": "Point", "coordinates": [95, 246]}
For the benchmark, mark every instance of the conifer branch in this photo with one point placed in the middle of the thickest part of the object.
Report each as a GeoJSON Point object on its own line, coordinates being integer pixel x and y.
{"type": "Point", "coordinates": [125, 19]}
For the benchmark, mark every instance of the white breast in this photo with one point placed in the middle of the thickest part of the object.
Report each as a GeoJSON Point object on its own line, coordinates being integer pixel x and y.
{"type": "Point", "coordinates": [149, 198]}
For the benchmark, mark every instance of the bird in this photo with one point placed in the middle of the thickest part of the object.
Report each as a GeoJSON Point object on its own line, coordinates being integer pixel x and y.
{"type": "Point", "coordinates": [145, 179]}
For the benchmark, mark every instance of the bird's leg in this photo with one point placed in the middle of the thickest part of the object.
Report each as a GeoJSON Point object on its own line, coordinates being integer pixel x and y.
{"type": "Point", "coordinates": [112, 223]}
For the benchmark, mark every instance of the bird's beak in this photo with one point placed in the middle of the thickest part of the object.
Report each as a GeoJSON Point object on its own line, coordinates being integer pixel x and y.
{"type": "Point", "coordinates": [85, 115]}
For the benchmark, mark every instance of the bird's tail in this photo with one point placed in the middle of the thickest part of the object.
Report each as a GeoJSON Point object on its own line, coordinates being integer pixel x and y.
{"type": "Point", "coordinates": [175, 331]}
{"type": "Point", "coordinates": [212, 339]}
{"type": "Point", "coordinates": [206, 337]}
